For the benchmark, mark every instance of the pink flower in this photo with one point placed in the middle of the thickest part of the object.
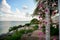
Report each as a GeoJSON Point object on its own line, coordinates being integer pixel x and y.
{"type": "Point", "coordinates": [46, 10]}
{"type": "Point", "coordinates": [40, 5]}
{"type": "Point", "coordinates": [45, 22]}
{"type": "Point", "coordinates": [40, 33]}
{"type": "Point", "coordinates": [39, 16]}
{"type": "Point", "coordinates": [54, 4]}
{"type": "Point", "coordinates": [54, 38]}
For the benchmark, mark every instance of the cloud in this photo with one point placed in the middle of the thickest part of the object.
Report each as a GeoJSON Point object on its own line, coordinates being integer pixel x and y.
{"type": "Point", "coordinates": [25, 7]}
{"type": "Point", "coordinates": [5, 7]}
{"type": "Point", "coordinates": [8, 15]}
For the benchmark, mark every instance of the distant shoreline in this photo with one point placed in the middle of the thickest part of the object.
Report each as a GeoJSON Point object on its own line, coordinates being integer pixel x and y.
{"type": "Point", "coordinates": [4, 25]}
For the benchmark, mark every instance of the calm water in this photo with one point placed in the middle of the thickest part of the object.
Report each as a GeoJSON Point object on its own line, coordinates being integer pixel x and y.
{"type": "Point", "coordinates": [4, 25]}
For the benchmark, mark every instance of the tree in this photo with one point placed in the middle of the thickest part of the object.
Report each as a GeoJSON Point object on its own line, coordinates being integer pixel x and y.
{"type": "Point", "coordinates": [15, 28]}
{"type": "Point", "coordinates": [34, 21]}
{"type": "Point", "coordinates": [54, 30]}
{"type": "Point", "coordinates": [49, 7]}
{"type": "Point", "coordinates": [12, 28]}
{"type": "Point", "coordinates": [19, 26]}
{"type": "Point", "coordinates": [27, 24]}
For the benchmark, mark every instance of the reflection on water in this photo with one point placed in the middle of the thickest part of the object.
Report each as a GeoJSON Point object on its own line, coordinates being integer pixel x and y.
{"type": "Point", "coordinates": [4, 25]}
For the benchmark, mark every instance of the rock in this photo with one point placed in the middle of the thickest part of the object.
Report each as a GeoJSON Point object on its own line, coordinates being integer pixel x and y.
{"type": "Point", "coordinates": [39, 34]}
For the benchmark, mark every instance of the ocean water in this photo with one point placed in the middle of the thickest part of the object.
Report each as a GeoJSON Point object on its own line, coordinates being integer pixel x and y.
{"type": "Point", "coordinates": [4, 25]}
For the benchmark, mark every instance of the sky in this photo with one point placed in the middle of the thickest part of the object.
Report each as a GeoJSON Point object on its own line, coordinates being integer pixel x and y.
{"type": "Point", "coordinates": [16, 10]}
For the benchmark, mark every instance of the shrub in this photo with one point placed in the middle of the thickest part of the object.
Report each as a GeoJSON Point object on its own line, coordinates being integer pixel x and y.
{"type": "Point", "coordinates": [35, 27]}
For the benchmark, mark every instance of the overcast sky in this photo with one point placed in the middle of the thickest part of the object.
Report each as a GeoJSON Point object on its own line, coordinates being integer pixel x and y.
{"type": "Point", "coordinates": [16, 10]}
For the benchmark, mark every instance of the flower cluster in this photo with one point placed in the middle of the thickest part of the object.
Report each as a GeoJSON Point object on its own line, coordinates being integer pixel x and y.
{"type": "Point", "coordinates": [54, 7]}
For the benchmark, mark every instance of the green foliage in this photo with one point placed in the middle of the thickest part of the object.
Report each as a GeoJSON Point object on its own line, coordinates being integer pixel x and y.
{"type": "Point", "coordinates": [17, 36]}
{"type": "Point", "coordinates": [35, 13]}
{"type": "Point", "coordinates": [43, 29]}
{"type": "Point", "coordinates": [27, 24]}
{"type": "Point", "coordinates": [36, 0]}
{"type": "Point", "coordinates": [54, 31]}
{"type": "Point", "coordinates": [19, 26]}
{"type": "Point", "coordinates": [22, 31]}
{"type": "Point", "coordinates": [35, 27]}
{"type": "Point", "coordinates": [34, 21]}
{"type": "Point", "coordinates": [29, 31]}
{"type": "Point", "coordinates": [12, 28]}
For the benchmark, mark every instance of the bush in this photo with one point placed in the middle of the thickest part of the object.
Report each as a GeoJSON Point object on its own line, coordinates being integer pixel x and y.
{"type": "Point", "coordinates": [35, 27]}
{"type": "Point", "coordinates": [34, 21]}
{"type": "Point", "coordinates": [43, 29]}
{"type": "Point", "coordinates": [29, 31]}
{"type": "Point", "coordinates": [54, 31]}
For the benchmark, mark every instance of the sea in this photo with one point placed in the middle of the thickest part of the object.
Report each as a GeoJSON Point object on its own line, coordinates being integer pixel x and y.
{"type": "Point", "coordinates": [5, 25]}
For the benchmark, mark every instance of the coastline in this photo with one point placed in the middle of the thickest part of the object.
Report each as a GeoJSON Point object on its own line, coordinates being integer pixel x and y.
{"type": "Point", "coordinates": [4, 25]}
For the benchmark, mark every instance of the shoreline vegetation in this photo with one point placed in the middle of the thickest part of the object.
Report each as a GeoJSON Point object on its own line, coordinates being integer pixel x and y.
{"type": "Point", "coordinates": [45, 10]}
{"type": "Point", "coordinates": [21, 31]}
{"type": "Point", "coordinates": [17, 31]}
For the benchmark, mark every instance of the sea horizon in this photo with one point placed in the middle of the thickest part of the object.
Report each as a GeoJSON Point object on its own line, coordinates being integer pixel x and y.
{"type": "Point", "coordinates": [4, 25]}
